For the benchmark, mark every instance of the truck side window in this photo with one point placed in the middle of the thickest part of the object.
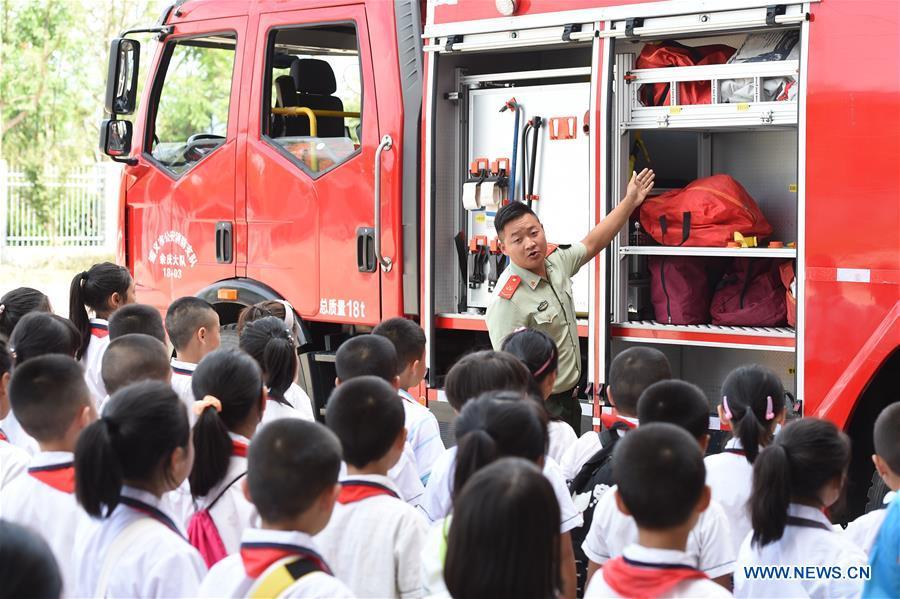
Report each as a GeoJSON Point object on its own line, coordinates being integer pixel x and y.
{"type": "Point", "coordinates": [313, 112]}
{"type": "Point", "coordinates": [191, 116]}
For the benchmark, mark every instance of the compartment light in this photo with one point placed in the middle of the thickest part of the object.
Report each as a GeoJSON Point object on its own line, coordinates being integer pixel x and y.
{"type": "Point", "coordinates": [505, 7]}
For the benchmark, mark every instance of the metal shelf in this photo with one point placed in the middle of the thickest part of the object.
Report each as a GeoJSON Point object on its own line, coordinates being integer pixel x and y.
{"type": "Point", "coordinates": [707, 335]}
{"type": "Point", "coordinates": [662, 250]}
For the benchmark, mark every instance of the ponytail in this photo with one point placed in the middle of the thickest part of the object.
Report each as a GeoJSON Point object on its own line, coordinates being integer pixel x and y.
{"type": "Point", "coordinates": [92, 289]}
{"type": "Point", "coordinates": [752, 398]}
{"type": "Point", "coordinates": [803, 459]}
{"type": "Point", "coordinates": [233, 381]}
{"type": "Point", "coordinates": [271, 344]}
{"type": "Point", "coordinates": [142, 426]}
{"type": "Point", "coordinates": [474, 451]}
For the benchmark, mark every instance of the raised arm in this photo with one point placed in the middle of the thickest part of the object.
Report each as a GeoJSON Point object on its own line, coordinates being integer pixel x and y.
{"type": "Point", "coordinates": [600, 236]}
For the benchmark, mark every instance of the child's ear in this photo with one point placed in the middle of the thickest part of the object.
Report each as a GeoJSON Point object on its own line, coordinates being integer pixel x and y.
{"type": "Point", "coordinates": [396, 382]}
{"type": "Point", "coordinates": [263, 396]}
{"type": "Point", "coordinates": [87, 415]}
{"type": "Point", "coordinates": [337, 382]}
{"type": "Point", "coordinates": [245, 489]}
{"type": "Point", "coordinates": [201, 334]}
{"type": "Point", "coordinates": [881, 467]}
{"type": "Point", "coordinates": [400, 440]}
{"type": "Point", "coordinates": [621, 504]}
{"type": "Point", "coordinates": [704, 442]}
{"type": "Point", "coordinates": [722, 417]}
{"type": "Point", "coordinates": [609, 396]}
{"type": "Point", "coordinates": [705, 498]}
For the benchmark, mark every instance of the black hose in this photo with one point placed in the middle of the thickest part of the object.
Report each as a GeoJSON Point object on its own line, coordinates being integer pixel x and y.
{"type": "Point", "coordinates": [525, 131]}
{"type": "Point", "coordinates": [535, 136]}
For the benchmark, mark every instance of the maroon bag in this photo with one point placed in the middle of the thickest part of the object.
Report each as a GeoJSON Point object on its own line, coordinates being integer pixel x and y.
{"type": "Point", "coordinates": [750, 294]}
{"type": "Point", "coordinates": [681, 287]}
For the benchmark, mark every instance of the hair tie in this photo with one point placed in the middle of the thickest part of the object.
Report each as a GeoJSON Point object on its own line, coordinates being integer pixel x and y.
{"type": "Point", "coordinates": [519, 330]}
{"type": "Point", "coordinates": [288, 314]}
{"type": "Point", "coordinates": [541, 370]}
{"type": "Point", "coordinates": [84, 276]}
{"type": "Point", "coordinates": [208, 401]}
{"type": "Point", "coordinates": [769, 413]}
{"type": "Point", "coordinates": [111, 427]}
{"type": "Point", "coordinates": [725, 408]}
{"type": "Point", "coordinates": [2, 308]}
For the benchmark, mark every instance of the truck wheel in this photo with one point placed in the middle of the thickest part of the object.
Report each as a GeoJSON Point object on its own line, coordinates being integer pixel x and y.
{"type": "Point", "coordinates": [229, 335]}
{"type": "Point", "coordinates": [877, 491]}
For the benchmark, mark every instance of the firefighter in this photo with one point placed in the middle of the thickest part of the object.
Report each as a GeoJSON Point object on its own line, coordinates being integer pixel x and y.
{"type": "Point", "coordinates": [535, 291]}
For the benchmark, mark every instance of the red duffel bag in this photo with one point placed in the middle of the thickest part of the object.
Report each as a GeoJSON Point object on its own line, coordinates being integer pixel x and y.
{"type": "Point", "coordinates": [705, 213]}
{"type": "Point", "coordinates": [673, 54]}
{"type": "Point", "coordinates": [681, 287]}
{"type": "Point", "coordinates": [751, 294]}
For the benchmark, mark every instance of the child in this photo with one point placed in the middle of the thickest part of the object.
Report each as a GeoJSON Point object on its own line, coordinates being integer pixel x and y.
{"type": "Point", "coordinates": [540, 355]}
{"type": "Point", "coordinates": [883, 555]}
{"type": "Point", "coordinates": [709, 542]}
{"type": "Point", "coordinates": [374, 539]}
{"type": "Point", "coordinates": [52, 403]}
{"type": "Point", "coordinates": [231, 401]}
{"type": "Point", "coordinates": [13, 460]}
{"type": "Point", "coordinates": [795, 479]}
{"type": "Point", "coordinates": [630, 373]}
{"type": "Point", "coordinates": [373, 355]}
{"type": "Point", "coordinates": [503, 540]}
{"type": "Point", "coordinates": [17, 303]}
{"type": "Point", "coordinates": [27, 565]}
{"type": "Point", "coordinates": [137, 318]}
{"type": "Point", "coordinates": [423, 430]}
{"type": "Point", "coordinates": [133, 358]}
{"type": "Point", "coordinates": [103, 289]}
{"type": "Point", "coordinates": [292, 480]}
{"type": "Point", "coordinates": [193, 328]}
{"type": "Point", "coordinates": [124, 462]}
{"type": "Point", "coordinates": [272, 346]}
{"type": "Point", "coordinates": [661, 485]}
{"type": "Point", "coordinates": [752, 405]}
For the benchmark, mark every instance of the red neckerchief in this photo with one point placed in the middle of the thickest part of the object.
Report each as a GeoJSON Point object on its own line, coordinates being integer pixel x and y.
{"type": "Point", "coordinates": [149, 510]}
{"type": "Point", "coordinates": [238, 448]}
{"type": "Point", "coordinates": [59, 476]}
{"type": "Point", "coordinates": [3, 436]}
{"type": "Point", "coordinates": [608, 420]}
{"type": "Point", "coordinates": [639, 580]}
{"type": "Point", "coordinates": [258, 557]}
{"type": "Point", "coordinates": [99, 330]}
{"type": "Point", "coordinates": [357, 490]}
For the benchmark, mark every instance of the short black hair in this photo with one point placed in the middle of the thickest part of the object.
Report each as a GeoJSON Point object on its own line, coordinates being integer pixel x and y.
{"type": "Point", "coordinates": [6, 359]}
{"type": "Point", "coordinates": [290, 463]}
{"type": "Point", "coordinates": [132, 358]}
{"type": "Point", "coordinates": [408, 339]}
{"type": "Point", "coordinates": [186, 316]}
{"type": "Point", "coordinates": [366, 355]}
{"type": "Point", "coordinates": [660, 473]}
{"type": "Point", "coordinates": [631, 372]}
{"type": "Point", "coordinates": [17, 303]}
{"type": "Point", "coordinates": [887, 443]}
{"type": "Point", "coordinates": [47, 393]}
{"type": "Point", "coordinates": [42, 333]}
{"type": "Point", "coordinates": [510, 212]}
{"type": "Point", "coordinates": [367, 415]}
{"type": "Point", "coordinates": [136, 318]}
{"type": "Point", "coordinates": [27, 565]}
{"type": "Point", "coordinates": [483, 371]}
{"type": "Point", "coordinates": [676, 402]}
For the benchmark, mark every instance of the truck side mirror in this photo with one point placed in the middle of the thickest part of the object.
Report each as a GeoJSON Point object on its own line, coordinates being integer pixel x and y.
{"type": "Point", "coordinates": [122, 77]}
{"type": "Point", "coordinates": [115, 138]}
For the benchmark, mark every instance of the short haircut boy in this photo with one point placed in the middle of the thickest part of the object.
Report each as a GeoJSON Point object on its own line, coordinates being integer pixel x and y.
{"type": "Point", "coordinates": [132, 358]}
{"type": "Point", "coordinates": [485, 371]}
{"type": "Point", "coordinates": [366, 355]}
{"type": "Point", "coordinates": [290, 464]}
{"type": "Point", "coordinates": [186, 316]}
{"type": "Point", "coordinates": [632, 371]}
{"type": "Point", "coordinates": [136, 318]}
{"type": "Point", "coordinates": [408, 339]}
{"type": "Point", "coordinates": [660, 473]}
{"type": "Point", "coordinates": [367, 416]}
{"type": "Point", "coordinates": [675, 402]}
{"type": "Point", "coordinates": [509, 213]}
{"type": "Point", "coordinates": [47, 393]}
{"type": "Point", "coordinates": [887, 443]}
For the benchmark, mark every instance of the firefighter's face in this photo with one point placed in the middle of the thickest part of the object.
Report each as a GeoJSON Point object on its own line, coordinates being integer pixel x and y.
{"type": "Point", "coordinates": [524, 242]}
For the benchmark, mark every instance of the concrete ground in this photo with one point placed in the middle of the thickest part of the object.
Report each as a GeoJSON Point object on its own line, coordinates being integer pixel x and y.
{"type": "Point", "coordinates": [50, 276]}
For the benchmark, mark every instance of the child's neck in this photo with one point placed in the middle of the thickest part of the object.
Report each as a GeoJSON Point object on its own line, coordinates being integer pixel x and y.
{"type": "Point", "coordinates": [302, 523]}
{"type": "Point", "coordinates": [155, 488]}
{"type": "Point", "coordinates": [672, 538]}
{"type": "Point", "coordinates": [58, 445]}
{"type": "Point", "coordinates": [191, 355]}
{"type": "Point", "coordinates": [376, 467]}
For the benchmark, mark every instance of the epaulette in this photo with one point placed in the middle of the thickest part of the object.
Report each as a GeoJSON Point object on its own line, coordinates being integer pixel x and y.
{"type": "Point", "coordinates": [510, 288]}
{"type": "Point", "coordinates": [551, 247]}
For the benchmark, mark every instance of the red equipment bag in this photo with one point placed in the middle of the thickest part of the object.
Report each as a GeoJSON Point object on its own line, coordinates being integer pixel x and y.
{"type": "Point", "coordinates": [681, 287]}
{"type": "Point", "coordinates": [751, 294]}
{"type": "Point", "coordinates": [673, 54]}
{"type": "Point", "coordinates": [708, 212]}
{"type": "Point", "coordinates": [787, 279]}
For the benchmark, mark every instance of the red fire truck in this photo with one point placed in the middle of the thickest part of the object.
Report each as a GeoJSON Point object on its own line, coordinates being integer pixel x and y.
{"type": "Point", "coordinates": [345, 155]}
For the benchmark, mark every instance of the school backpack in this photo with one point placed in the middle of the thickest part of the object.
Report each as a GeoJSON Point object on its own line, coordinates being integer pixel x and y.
{"type": "Point", "coordinates": [588, 486]}
{"type": "Point", "coordinates": [673, 54]}
{"type": "Point", "coordinates": [706, 213]}
{"type": "Point", "coordinates": [203, 533]}
{"type": "Point", "coordinates": [681, 287]}
{"type": "Point", "coordinates": [750, 294]}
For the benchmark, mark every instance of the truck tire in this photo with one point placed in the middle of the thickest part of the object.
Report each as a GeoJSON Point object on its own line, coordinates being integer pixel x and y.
{"type": "Point", "coordinates": [229, 335]}
{"type": "Point", "coordinates": [877, 491]}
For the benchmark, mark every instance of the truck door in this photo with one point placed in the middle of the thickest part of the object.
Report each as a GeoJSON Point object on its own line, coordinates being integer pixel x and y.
{"type": "Point", "coordinates": [311, 142]}
{"type": "Point", "coordinates": [188, 173]}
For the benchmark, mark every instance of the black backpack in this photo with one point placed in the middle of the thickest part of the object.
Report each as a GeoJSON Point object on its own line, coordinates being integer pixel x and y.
{"type": "Point", "coordinates": [594, 478]}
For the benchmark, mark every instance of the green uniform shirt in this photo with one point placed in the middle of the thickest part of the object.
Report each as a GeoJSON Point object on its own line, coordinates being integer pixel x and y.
{"type": "Point", "coordinates": [545, 305]}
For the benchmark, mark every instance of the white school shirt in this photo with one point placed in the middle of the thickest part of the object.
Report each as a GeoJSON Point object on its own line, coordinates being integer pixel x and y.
{"type": "Point", "coordinates": [17, 436]}
{"type": "Point", "coordinates": [232, 513]}
{"type": "Point", "coordinates": [800, 546]}
{"type": "Point", "coordinates": [730, 478]}
{"type": "Point", "coordinates": [374, 545]}
{"type": "Point", "coordinates": [182, 373]}
{"type": "Point", "coordinates": [228, 578]}
{"type": "Point", "coordinates": [562, 436]}
{"type": "Point", "coordinates": [92, 359]}
{"type": "Point", "coordinates": [162, 565]}
{"type": "Point", "coordinates": [405, 475]}
{"type": "Point", "coordinates": [423, 434]}
{"type": "Point", "coordinates": [13, 462]}
{"type": "Point", "coordinates": [864, 530]}
{"type": "Point", "coordinates": [438, 500]}
{"type": "Point", "coordinates": [697, 588]}
{"type": "Point", "coordinates": [434, 553]}
{"type": "Point", "coordinates": [52, 513]}
{"type": "Point", "coordinates": [709, 542]}
{"type": "Point", "coordinates": [577, 454]}
{"type": "Point", "coordinates": [299, 406]}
